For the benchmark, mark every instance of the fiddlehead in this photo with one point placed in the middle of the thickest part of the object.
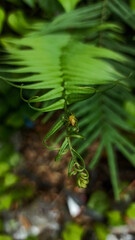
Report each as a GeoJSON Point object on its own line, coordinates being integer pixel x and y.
{"type": "Point", "coordinates": [76, 164]}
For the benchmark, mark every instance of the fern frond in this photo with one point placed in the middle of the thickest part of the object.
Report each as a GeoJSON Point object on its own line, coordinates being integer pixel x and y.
{"type": "Point", "coordinates": [64, 69]}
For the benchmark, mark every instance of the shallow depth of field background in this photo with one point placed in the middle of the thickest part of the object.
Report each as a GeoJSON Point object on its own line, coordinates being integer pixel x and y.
{"type": "Point", "coordinates": [37, 199]}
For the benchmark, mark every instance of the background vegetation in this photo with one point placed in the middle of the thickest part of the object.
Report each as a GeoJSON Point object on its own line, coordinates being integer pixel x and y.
{"type": "Point", "coordinates": [75, 57]}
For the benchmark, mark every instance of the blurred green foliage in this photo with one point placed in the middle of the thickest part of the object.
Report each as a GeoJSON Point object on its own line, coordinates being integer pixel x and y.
{"type": "Point", "coordinates": [9, 193]}
{"type": "Point", "coordinates": [130, 108]}
{"type": "Point", "coordinates": [17, 22]}
{"type": "Point", "coordinates": [131, 211]}
{"type": "Point", "coordinates": [69, 4]}
{"type": "Point", "coordinates": [32, 238]}
{"type": "Point", "coordinates": [13, 112]}
{"type": "Point", "coordinates": [132, 4]}
{"type": "Point", "coordinates": [101, 231]}
{"type": "Point", "coordinates": [72, 231]}
{"type": "Point", "coordinates": [2, 18]}
{"type": "Point", "coordinates": [5, 237]}
{"type": "Point", "coordinates": [99, 201]}
{"type": "Point", "coordinates": [13, 116]}
{"type": "Point", "coordinates": [115, 218]}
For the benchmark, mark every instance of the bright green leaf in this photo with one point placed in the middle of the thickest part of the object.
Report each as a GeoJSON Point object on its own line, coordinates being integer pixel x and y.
{"type": "Point", "coordinates": [2, 18]}
{"type": "Point", "coordinates": [69, 5]}
{"type": "Point", "coordinates": [62, 150]}
{"type": "Point", "coordinates": [5, 237]}
{"type": "Point", "coordinates": [4, 167]}
{"type": "Point", "coordinates": [115, 218]}
{"type": "Point", "coordinates": [10, 179]}
{"type": "Point", "coordinates": [72, 231]}
{"type": "Point", "coordinates": [132, 4]}
{"type": "Point", "coordinates": [131, 211]}
{"type": "Point", "coordinates": [101, 231]}
{"type": "Point", "coordinates": [5, 201]}
{"type": "Point", "coordinates": [17, 21]}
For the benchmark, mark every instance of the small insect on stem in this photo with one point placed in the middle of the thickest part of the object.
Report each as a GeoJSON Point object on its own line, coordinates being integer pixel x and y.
{"type": "Point", "coordinates": [72, 120]}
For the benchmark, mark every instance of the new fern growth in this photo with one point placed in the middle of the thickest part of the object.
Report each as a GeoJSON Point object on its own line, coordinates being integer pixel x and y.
{"type": "Point", "coordinates": [76, 164]}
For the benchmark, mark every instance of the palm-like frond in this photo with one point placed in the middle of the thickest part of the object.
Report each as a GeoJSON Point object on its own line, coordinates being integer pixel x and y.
{"type": "Point", "coordinates": [103, 118]}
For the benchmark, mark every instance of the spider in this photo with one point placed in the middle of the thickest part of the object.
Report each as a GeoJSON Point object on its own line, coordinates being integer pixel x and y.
{"type": "Point", "coordinates": [72, 120]}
